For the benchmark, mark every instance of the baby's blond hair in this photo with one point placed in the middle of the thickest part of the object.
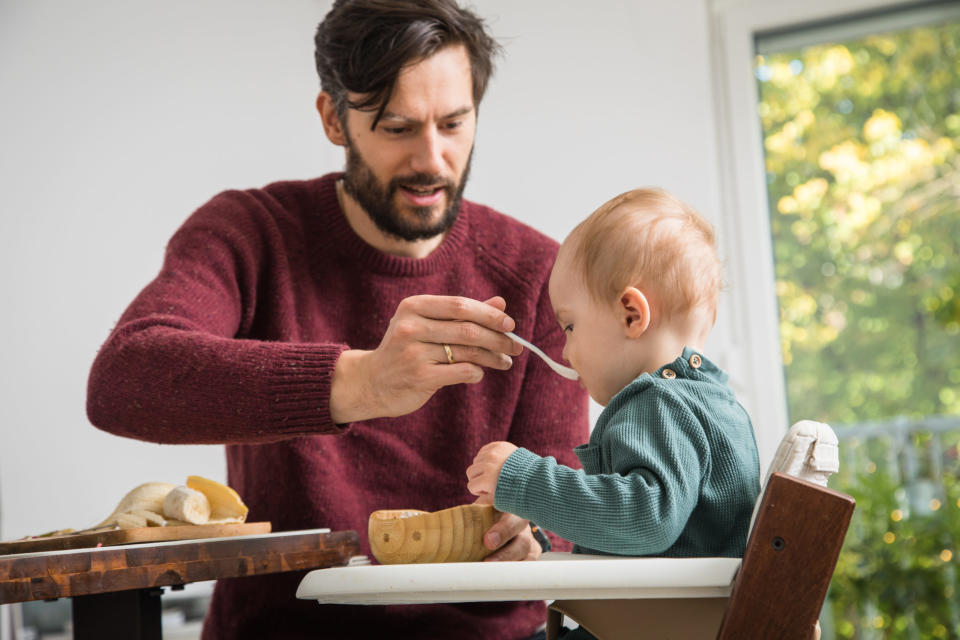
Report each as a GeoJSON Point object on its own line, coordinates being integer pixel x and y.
{"type": "Point", "coordinates": [647, 238]}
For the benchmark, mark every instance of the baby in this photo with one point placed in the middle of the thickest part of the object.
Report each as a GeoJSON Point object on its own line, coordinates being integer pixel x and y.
{"type": "Point", "coordinates": [671, 468]}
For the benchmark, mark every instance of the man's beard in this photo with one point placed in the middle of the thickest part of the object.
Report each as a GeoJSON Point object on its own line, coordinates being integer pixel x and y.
{"type": "Point", "coordinates": [379, 201]}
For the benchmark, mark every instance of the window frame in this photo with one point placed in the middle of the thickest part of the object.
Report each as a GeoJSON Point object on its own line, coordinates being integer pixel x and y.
{"type": "Point", "coordinates": [751, 306]}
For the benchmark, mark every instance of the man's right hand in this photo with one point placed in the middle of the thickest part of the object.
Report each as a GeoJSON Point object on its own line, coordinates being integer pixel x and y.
{"type": "Point", "coordinates": [411, 364]}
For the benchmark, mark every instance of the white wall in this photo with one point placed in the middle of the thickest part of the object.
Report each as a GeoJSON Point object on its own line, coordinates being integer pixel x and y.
{"type": "Point", "coordinates": [117, 119]}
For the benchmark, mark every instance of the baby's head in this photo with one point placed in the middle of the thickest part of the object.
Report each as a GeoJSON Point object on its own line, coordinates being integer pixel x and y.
{"type": "Point", "coordinates": [633, 284]}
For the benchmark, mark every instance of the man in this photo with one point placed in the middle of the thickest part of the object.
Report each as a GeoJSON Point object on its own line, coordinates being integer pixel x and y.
{"type": "Point", "coordinates": [323, 329]}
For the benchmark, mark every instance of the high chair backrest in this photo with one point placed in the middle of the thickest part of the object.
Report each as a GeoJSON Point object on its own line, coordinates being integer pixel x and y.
{"type": "Point", "coordinates": [797, 530]}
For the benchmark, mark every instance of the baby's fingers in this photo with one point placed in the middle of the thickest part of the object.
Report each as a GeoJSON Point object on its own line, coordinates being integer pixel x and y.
{"type": "Point", "coordinates": [485, 449]}
{"type": "Point", "coordinates": [480, 484]}
{"type": "Point", "coordinates": [475, 470]}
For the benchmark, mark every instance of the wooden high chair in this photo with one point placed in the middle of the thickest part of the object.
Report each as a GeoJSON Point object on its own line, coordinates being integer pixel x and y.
{"type": "Point", "coordinates": [775, 591]}
{"type": "Point", "coordinates": [796, 533]}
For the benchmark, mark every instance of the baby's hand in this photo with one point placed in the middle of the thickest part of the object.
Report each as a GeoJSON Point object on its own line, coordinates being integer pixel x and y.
{"type": "Point", "coordinates": [483, 473]}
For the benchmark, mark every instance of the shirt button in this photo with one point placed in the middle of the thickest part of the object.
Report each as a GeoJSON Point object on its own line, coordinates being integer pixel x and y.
{"type": "Point", "coordinates": [695, 361]}
{"type": "Point", "coordinates": [669, 374]}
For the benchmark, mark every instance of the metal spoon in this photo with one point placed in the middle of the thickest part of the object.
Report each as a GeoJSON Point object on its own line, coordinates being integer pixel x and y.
{"type": "Point", "coordinates": [566, 372]}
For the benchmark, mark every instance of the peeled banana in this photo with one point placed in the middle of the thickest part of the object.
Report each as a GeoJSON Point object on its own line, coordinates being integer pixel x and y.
{"type": "Point", "coordinates": [158, 504]}
{"type": "Point", "coordinates": [188, 505]}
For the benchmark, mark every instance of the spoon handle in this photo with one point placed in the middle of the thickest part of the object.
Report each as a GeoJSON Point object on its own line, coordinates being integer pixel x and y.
{"type": "Point", "coordinates": [566, 372]}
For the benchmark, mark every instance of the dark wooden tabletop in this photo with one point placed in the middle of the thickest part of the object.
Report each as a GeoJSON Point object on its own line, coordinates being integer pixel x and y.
{"type": "Point", "coordinates": [64, 574]}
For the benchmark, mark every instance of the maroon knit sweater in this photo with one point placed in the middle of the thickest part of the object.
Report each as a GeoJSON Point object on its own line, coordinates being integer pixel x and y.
{"type": "Point", "coordinates": [235, 342]}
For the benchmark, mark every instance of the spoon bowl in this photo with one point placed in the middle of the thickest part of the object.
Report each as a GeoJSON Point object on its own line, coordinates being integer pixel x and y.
{"type": "Point", "coordinates": [558, 368]}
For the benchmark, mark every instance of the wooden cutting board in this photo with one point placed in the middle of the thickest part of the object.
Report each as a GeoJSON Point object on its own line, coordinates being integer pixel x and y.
{"type": "Point", "coordinates": [133, 536]}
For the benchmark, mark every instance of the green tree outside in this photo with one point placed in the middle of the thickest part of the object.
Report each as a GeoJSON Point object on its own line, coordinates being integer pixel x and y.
{"type": "Point", "coordinates": [862, 151]}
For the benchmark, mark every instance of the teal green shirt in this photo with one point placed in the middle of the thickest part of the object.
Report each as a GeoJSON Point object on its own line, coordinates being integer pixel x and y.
{"type": "Point", "coordinates": [671, 469]}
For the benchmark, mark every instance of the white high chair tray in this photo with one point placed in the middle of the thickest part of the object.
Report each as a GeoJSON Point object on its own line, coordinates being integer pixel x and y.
{"type": "Point", "coordinates": [556, 575]}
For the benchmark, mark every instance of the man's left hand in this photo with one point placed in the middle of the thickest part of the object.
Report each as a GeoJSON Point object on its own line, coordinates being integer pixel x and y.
{"type": "Point", "coordinates": [512, 539]}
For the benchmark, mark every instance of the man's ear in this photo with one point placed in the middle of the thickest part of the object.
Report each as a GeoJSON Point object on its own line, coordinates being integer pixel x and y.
{"type": "Point", "coordinates": [331, 121]}
{"type": "Point", "coordinates": [634, 310]}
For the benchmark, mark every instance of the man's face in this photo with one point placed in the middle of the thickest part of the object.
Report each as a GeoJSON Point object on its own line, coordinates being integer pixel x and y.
{"type": "Point", "coordinates": [409, 172]}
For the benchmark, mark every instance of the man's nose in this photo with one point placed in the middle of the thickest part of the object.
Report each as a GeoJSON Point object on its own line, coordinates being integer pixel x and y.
{"type": "Point", "coordinates": [428, 156]}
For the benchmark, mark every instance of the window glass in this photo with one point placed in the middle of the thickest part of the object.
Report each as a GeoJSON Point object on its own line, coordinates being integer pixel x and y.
{"type": "Point", "coordinates": [862, 155]}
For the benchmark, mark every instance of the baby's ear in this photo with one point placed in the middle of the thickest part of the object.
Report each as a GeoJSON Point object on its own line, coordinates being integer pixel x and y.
{"type": "Point", "coordinates": [634, 310]}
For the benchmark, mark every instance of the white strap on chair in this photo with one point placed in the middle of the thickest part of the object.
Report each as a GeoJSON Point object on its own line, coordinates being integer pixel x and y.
{"type": "Point", "coordinates": [809, 451]}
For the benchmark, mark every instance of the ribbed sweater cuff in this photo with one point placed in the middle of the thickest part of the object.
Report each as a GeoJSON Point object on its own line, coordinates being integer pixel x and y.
{"type": "Point", "coordinates": [297, 387]}
{"type": "Point", "coordinates": [512, 482]}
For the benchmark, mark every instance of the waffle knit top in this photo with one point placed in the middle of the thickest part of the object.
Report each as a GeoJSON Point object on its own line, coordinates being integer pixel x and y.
{"type": "Point", "coordinates": [235, 343]}
{"type": "Point", "coordinates": [671, 469]}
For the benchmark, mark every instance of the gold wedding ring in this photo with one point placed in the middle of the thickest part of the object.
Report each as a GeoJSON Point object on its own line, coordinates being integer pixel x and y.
{"type": "Point", "coordinates": [449, 353]}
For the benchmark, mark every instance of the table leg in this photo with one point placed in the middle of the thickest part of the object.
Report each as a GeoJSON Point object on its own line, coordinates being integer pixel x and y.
{"type": "Point", "coordinates": [120, 615]}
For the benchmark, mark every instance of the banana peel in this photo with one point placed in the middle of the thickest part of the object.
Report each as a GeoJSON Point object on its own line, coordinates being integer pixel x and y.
{"type": "Point", "coordinates": [225, 503]}
{"type": "Point", "coordinates": [145, 497]}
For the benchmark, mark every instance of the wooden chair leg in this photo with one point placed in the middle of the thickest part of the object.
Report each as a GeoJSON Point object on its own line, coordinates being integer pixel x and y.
{"type": "Point", "coordinates": [554, 622]}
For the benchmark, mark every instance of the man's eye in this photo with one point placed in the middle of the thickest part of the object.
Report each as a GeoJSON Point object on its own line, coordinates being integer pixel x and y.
{"type": "Point", "coordinates": [454, 124]}
{"type": "Point", "coordinates": [395, 131]}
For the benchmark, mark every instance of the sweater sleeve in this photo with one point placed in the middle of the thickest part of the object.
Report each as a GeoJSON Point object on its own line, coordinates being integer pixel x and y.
{"type": "Point", "coordinates": [657, 456]}
{"type": "Point", "coordinates": [177, 369]}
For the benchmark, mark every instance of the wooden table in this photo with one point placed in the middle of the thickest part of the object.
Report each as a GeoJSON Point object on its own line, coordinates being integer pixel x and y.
{"type": "Point", "coordinates": [116, 590]}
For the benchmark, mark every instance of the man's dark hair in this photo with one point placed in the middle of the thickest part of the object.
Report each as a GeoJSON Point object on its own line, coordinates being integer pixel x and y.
{"type": "Point", "coordinates": [362, 45]}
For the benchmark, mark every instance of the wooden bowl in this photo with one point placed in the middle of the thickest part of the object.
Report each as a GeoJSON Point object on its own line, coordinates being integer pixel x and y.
{"type": "Point", "coordinates": [403, 536]}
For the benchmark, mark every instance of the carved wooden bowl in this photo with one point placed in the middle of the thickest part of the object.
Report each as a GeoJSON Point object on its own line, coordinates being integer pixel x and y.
{"type": "Point", "coordinates": [402, 536]}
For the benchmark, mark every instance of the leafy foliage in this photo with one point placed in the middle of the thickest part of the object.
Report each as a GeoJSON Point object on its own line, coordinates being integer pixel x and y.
{"type": "Point", "coordinates": [864, 180]}
{"type": "Point", "coordinates": [862, 143]}
{"type": "Point", "coordinates": [896, 576]}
